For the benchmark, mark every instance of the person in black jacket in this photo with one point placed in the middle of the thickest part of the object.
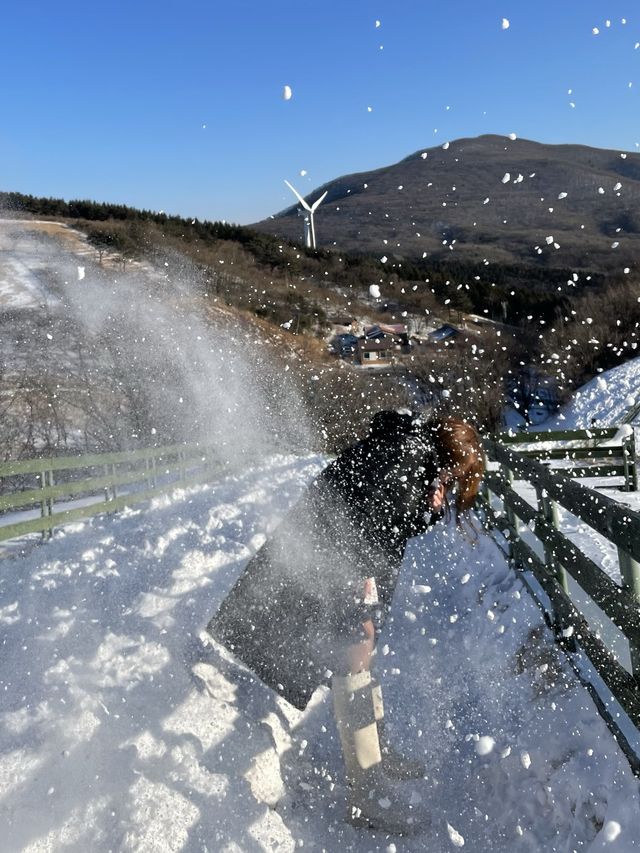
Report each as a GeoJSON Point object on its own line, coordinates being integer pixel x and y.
{"type": "Point", "coordinates": [310, 603]}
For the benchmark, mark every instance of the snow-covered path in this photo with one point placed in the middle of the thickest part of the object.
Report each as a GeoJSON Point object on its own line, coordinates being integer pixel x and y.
{"type": "Point", "coordinates": [122, 728]}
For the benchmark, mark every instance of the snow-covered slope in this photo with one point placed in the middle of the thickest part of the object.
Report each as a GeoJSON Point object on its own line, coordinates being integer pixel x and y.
{"type": "Point", "coordinates": [123, 728]}
{"type": "Point", "coordinates": [609, 399]}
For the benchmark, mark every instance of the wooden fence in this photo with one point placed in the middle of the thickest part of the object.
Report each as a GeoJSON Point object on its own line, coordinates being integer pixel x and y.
{"type": "Point", "coordinates": [65, 489]}
{"type": "Point", "coordinates": [566, 582]}
{"type": "Point", "coordinates": [69, 488]}
{"type": "Point", "coordinates": [597, 452]}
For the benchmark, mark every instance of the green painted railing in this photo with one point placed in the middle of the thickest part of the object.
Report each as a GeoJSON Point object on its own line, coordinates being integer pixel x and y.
{"type": "Point", "coordinates": [568, 583]}
{"type": "Point", "coordinates": [49, 485]}
{"type": "Point", "coordinates": [605, 452]}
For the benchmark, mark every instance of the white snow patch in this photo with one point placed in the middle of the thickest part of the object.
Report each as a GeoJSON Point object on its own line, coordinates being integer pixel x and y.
{"type": "Point", "coordinates": [149, 736]}
{"type": "Point", "coordinates": [456, 839]}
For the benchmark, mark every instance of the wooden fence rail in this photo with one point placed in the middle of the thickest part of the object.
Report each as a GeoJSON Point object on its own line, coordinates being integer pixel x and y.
{"type": "Point", "coordinates": [606, 452]}
{"type": "Point", "coordinates": [98, 480]}
{"type": "Point", "coordinates": [557, 564]}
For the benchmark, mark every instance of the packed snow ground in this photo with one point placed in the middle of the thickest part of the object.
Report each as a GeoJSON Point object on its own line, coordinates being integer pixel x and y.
{"type": "Point", "coordinates": [123, 728]}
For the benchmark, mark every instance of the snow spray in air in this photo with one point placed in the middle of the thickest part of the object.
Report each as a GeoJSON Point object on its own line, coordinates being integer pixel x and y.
{"type": "Point", "coordinates": [132, 354]}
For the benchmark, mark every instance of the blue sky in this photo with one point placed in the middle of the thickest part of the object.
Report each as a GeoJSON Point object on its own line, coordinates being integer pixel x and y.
{"type": "Point", "coordinates": [178, 106]}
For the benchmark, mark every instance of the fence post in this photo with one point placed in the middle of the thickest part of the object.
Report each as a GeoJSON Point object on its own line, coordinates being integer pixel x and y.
{"type": "Point", "coordinates": [484, 503]}
{"type": "Point", "coordinates": [43, 503]}
{"type": "Point", "coordinates": [633, 451]}
{"type": "Point", "coordinates": [46, 505]}
{"type": "Point", "coordinates": [50, 500]}
{"type": "Point", "coordinates": [626, 447]}
{"type": "Point", "coordinates": [548, 509]}
{"type": "Point", "coordinates": [507, 479]}
{"type": "Point", "coordinates": [630, 571]}
{"type": "Point", "coordinates": [107, 494]}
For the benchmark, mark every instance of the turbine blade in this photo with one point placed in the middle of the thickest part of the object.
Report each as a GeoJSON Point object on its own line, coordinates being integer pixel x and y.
{"type": "Point", "coordinates": [298, 196]}
{"type": "Point", "coordinates": [316, 204]}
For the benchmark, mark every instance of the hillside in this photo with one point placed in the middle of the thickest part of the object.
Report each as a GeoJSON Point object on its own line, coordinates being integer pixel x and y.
{"type": "Point", "coordinates": [609, 399]}
{"type": "Point", "coordinates": [99, 351]}
{"type": "Point", "coordinates": [487, 197]}
{"type": "Point", "coordinates": [81, 356]}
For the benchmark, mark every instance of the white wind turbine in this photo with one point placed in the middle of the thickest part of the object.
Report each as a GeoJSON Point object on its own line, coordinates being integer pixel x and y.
{"type": "Point", "coordinates": [309, 227]}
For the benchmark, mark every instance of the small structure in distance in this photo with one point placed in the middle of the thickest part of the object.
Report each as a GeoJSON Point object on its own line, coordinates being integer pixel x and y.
{"type": "Point", "coordinates": [380, 343]}
{"type": "Point", "coordinates": [309, 210]}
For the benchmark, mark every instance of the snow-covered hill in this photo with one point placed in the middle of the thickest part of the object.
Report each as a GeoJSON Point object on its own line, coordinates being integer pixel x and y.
{"type": "Point", "coordinates": [610, 399]}
{"type": "Point", "coordinates": [123, 728]}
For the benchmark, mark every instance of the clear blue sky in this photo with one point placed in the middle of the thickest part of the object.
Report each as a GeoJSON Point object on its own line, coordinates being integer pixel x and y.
{"type": "Point", "coordinates": [178, 106]}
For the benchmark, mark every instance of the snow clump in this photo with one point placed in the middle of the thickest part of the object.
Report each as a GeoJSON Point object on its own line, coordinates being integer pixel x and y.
{"type": "Point", "coordinates": [485, 745]}
{"type": "Point", "coordinates": [611, 830]}
{"type": "Point", "coordinates": [456, 839]}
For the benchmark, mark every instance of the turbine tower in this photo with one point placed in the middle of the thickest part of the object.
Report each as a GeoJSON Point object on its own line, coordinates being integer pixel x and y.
{"type": "Point", "coordinates": [309, 226]}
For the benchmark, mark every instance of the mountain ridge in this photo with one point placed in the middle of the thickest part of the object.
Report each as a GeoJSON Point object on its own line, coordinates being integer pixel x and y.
{"type": "Point", "coordinates": [490, 197]}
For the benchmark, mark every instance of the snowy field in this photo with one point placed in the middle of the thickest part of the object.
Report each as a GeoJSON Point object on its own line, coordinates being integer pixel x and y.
{"type": "Point", "coordinates": [37, 256]}
{"type": "Point", "coordinates": [25, 262]}
{"type": "Point", "coordinates": [122, 728]}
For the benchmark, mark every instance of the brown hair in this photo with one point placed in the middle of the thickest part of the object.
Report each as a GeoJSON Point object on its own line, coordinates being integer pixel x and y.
{"type": "Point", "coordinates": [459, 450]}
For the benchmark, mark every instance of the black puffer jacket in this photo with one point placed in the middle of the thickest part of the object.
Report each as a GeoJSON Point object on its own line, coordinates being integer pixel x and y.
{"type": "Point", "coordinates": [289, 614]}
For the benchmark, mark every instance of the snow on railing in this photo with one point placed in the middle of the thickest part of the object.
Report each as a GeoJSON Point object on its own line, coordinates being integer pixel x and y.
{"type": "Point", "coordinates": [601, 451]}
